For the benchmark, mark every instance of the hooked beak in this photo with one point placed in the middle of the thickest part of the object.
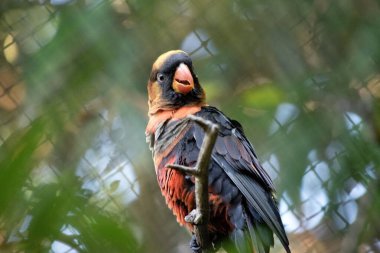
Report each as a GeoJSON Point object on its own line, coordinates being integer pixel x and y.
{"type": "Point", "coordinates": [183, 80]}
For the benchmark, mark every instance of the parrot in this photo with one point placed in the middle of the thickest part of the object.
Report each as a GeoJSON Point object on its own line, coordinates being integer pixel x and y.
{"type": "Point", "coordinates": [244, 215]}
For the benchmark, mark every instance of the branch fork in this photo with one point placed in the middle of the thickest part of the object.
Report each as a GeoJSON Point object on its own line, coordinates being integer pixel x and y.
{"type": "Point", "coordinates": [199, 217]}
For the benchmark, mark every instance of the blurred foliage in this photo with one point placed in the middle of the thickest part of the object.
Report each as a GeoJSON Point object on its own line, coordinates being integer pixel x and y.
{"type": "Point", "coordinates": [301, 76]}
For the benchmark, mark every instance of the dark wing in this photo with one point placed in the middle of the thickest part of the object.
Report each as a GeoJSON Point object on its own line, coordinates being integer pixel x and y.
{"type": "Point", "coordinates": [236, 156]}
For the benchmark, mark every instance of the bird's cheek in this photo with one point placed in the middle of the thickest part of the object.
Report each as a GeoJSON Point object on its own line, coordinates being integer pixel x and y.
{"type": "Point", "coordinates": [154, 91]}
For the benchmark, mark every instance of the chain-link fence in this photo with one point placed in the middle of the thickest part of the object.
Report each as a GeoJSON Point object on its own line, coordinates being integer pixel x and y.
{"type": "Point", "coordinates": [75, 172]}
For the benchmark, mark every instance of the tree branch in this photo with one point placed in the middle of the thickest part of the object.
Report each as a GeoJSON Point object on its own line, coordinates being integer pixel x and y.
{"type": "Point", "coordinates": [200, 216]}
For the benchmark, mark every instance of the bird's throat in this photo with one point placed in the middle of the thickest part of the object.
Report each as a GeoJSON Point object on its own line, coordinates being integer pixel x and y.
{"type": "Point", "coordinates": [175, 114]}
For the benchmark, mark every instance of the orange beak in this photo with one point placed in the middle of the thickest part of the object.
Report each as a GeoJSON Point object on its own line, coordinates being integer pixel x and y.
{"type": "Point", "coordinates": [183, 80]}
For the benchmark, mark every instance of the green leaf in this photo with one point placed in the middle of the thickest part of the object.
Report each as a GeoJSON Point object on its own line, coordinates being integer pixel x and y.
{"type": "Point", "coordinates": [114, 186]}
{"type": "Point", "coordinates": [266, 96]}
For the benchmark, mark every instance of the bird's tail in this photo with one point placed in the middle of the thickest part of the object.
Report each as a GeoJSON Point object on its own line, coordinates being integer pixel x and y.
{"type": "Point", "coordinates": [253, 236]}
{"type": "Point", "coordinates": [261, 237]}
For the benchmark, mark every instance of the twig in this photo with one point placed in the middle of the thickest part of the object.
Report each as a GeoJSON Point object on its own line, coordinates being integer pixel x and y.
{"type": "Point", "coordinates": [200, 216]}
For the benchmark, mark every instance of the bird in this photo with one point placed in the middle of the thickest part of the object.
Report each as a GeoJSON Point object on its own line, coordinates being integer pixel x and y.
{"type": "Point", "coordinates": [244, 214]}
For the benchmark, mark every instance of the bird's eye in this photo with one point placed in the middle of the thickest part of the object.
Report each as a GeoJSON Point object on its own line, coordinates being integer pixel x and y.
{"type": "Point", "coordinates": [160, 77]}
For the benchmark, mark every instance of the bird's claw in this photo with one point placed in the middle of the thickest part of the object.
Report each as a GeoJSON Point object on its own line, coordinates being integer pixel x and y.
{"type": "Point", "coordinates": [194, 217]}
{"type": "Point", "coordinates": [194, 246]}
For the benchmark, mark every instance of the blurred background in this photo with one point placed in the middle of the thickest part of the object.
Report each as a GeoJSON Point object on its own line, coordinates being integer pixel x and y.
{"type": "Point", "coordinates": [301, 76]}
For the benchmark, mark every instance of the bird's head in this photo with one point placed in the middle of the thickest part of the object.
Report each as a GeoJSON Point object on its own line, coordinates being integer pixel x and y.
{"type": "Point", "coordinates": [172, 83]}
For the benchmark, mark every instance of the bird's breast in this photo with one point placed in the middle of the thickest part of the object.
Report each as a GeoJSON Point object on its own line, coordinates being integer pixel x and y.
{"type": "Point", "coordinates": [166, 137]}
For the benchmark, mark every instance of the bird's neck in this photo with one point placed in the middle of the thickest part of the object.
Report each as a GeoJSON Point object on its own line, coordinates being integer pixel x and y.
{"type": "Point", "coordinates": [162, 115]}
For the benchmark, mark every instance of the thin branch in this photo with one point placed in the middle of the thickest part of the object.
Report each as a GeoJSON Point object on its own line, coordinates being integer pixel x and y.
{"type": "Point", "coordinates": [200, 216]}
{"type": "Point", "coordinates": [184, 169]}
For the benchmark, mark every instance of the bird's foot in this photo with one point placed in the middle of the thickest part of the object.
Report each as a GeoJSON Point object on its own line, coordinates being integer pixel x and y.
{"type": "Point", "coordinates": [194, 217]}
{"type": "Point", "coordinates": [194, 246]}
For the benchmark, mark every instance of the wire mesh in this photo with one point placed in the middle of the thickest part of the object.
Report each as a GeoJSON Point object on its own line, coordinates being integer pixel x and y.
{"type": "Point", "coordinates": [301, 77]}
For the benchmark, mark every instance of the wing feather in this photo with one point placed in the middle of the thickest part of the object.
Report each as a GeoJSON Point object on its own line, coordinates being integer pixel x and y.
{"type": "Point", "coordinates": [234, 153]}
